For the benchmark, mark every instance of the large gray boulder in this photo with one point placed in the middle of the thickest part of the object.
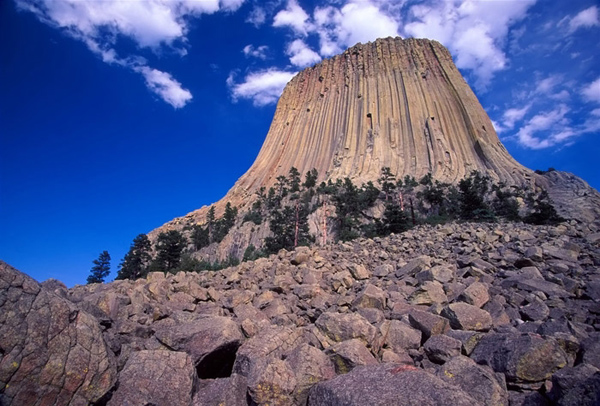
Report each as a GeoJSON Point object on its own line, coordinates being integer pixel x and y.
{"type": "Point", "coordinates": [479, 381]}
{"type": "Point", "coordinates": [521, 357]}
{"type": "Point", "coordinates": [341, 327]}
{"type": "Point", "coordinates": [388, 384]}
{"type": "Point", "coordinates": [158, 377]}
{"type": "Point", "coordinates": [211, 341]}
{"type": "Point", "coordinates": [51, 352]}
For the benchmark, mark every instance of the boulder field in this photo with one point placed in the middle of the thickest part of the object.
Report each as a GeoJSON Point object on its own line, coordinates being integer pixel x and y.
{"type": "Point", "coordinates": [459, 314]}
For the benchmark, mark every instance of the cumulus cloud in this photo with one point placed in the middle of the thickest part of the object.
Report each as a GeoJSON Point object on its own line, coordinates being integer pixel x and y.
{"type": "Point", "coordinates": [149, 24]}
{"type": "Point", "coordinates": [357, 21]}
{"type": "Point", "coordinates": [293, 17]}
{"type": "Point", "coordinates": [259, 52]}
{"type": "Point", "coordinates": [585, 19]}
{"type": "Point", "coordinates": [163, 84]}
{"type": "Point", "coordinates": [474, 31]}
{"type": "Point", "coordinates": [301, 55]}
{"type": "Point", "coordinates": [263, 87]}
{"type": "Point", "coordinates": [591, 91]}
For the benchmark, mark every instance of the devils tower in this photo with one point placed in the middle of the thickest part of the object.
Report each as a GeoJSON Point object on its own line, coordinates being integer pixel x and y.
{"type": "Point", "coordinates": [393, 103]}
{"type": "Point", "coordinates": [397, 103]}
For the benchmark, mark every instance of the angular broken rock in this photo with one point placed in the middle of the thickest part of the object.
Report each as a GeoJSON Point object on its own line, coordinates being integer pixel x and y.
{"type": "Point", "coordinates": [51, 352]}
{"type": "Point", "coordinates": [475, 294]}
{"type": "Point", "coordinates": [310, 366]}
{"type": "Point", "coordinates": [221, 391]}
{"type": "Point", "coordinates": [269, 344]}
{"type": "Point", "coordinates": [478, 381]}
{"type": "Point", "coordinates": [156, 377]}
{"type": "Point", "coordinates": [359, 271]}
{"type": "Point", "coordinates": [207, 339]}
{"type": "Point", "coordinates": [349, 354]}
{"type": "Point", "coordinates": [429, 324]}
{"type": "Point", "coordinates": [341, 327]}
{"type": "Point", "coordinates": [521, 357]}
{"type": "Point", "coordinates": [463, 316]}
{"type": "Point", "coordinates": [429, 293]}
{"type": "Point", "coordinates": [370, 297]}
{"type": "Point", "coordinates": [440, 348]}
{"type": "Point", "coordinates": [272, 384]}
{"type": "Point", "coordinates": [413, 267]}
{"type": "Point", "coordinates": [400, 336]}
{"type": "Point", "coordinates": [578, 385]}
{"type": "Point", "coordinates": [387, 384]}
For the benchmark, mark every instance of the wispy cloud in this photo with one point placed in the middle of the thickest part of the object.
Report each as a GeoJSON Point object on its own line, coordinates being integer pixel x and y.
{"type": "Point", "coordinates": [257, 16]}
{"type": "Point", "coordinates": [591, 91]}
{"type": "Point", "coordinates": [584, 19]}
{"type": "Point", "coordinates": [262, 87]}
{"type": "Point", "coordinates": [150, 24]}
{"type": "Point", "coordinates": [259, 52]}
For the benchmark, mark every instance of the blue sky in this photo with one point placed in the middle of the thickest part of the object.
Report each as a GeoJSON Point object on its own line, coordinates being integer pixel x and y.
{"type": "Point", "coordinates": [117, 116]}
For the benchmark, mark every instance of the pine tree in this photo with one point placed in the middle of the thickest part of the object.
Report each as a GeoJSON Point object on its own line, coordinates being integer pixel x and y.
{"type": "Point", "coordinates": [294, 181]}
{"type": "Point", "coordinates": [473, 190]}
{"type": "Point", "coordinates": [134, 264]}
{"type": "Point", "coordinates": [101, 268]}
{"type": "Point", "coordinates": [387, 180]}
{"type": "Point", "coordinates": [169, 247]}
{"type": "Point", "coordinates": [394, 219]}
{"type": "Point", "coordinates": [311, 178]}
{"type": "Point", "coordinates": [200, 237]}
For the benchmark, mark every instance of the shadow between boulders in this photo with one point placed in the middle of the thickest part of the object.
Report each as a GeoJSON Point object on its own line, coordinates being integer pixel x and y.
{"type": "Point", "coordinates": [219, 363]}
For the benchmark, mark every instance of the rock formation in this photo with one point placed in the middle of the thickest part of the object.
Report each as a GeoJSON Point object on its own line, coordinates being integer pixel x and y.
{"type": "Point", "coordinates": [397, 103]}
{"type": "Point", "coordinates": [393, 103]}
{"type": "Point", "coordinates": [465, 314]}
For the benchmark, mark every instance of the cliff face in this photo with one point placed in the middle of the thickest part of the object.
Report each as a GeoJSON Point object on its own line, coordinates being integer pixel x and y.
{"type": "Point", "coordinates": [396, 103]}
{"type": "Point", "coordinates": [393, 103]}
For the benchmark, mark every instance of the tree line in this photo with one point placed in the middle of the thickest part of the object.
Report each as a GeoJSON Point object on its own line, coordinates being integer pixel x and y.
{"type": "Point", "coordinates": [287, 205]}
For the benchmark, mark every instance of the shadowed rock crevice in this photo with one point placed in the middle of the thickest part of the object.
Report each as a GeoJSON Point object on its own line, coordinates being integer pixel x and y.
{"type": "Point", "coordinates": [219, 363]}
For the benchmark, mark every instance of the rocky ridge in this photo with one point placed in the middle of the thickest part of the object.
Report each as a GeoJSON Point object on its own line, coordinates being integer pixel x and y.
{"type": "Point", "coordinates": [488, 314]}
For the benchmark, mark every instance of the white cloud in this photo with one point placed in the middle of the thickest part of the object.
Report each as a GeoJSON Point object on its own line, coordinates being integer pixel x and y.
{"type": "Point", "coordinates": [585, 19]}
{"type": "Point", "coordinates": [551, 128]}
{"type": "Point", "coordinates": [257, 16]}
{"type": "Point", "coordinates": [512, 116]}
{"type": "Point", "coordinates": [263, 87]}
{"type": "Point", "coordinates": [548, 84]}
{"type": "Point", "coordinates": [148, 23]}
{"type": "Point", "coordinates": [591, 92]}
{"type": "Point", "coordinates": [165, 86]}
{"type": "Point", "coordinates": [474, 31]}
{"type": "Point", "coordinates": [294, 17]}
{"type": "Point", "coordinates": [301, 55]}
{"type": "Point", "coordinates": [357, 21]}
{"type": "Point", "coordinates": [259, 52]}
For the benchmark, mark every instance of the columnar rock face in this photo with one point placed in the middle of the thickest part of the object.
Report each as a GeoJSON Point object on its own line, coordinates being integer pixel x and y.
{"type": "Point", "coordinates": [397, 103]}
{"type": "Point", "coordinates": [393, 103]}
